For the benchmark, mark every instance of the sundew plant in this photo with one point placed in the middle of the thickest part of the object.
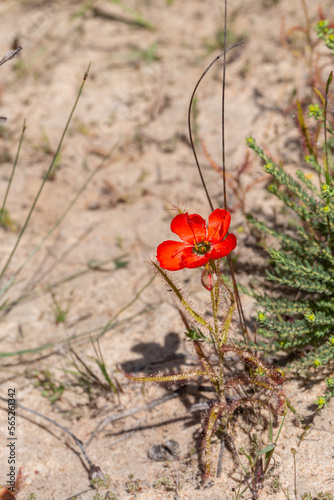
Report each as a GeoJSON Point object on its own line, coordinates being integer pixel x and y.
{"type": "Point", "coordinates": [204, 245]}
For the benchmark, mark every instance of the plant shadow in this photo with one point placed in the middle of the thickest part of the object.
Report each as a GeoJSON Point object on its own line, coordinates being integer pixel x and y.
{"type": "Point", "coordinates": [153, 355]}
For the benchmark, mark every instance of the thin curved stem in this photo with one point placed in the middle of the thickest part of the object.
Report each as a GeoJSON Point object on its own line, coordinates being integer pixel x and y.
{"type": "Point", "coordinates": [223, 110]}
{"type": "Point", "coordinates": [189, 119]}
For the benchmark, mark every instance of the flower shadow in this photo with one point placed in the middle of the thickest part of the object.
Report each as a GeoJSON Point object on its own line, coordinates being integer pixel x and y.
{"type": "Point", "coordinates": [154, 356]}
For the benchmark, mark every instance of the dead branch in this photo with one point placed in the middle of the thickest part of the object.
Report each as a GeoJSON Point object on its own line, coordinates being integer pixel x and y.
{"type": "Point", "coordinates": [94, 470]}
{"type": "Point", "coordinates": [10, 55]}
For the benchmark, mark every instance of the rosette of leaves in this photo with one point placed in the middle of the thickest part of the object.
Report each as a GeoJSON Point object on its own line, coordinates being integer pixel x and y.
{"type": "Point", "coordinates": [301, 319]}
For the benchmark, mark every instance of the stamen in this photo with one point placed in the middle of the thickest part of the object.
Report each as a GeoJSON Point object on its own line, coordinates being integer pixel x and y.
{"type": "Point", "coordinates": [202, 248]}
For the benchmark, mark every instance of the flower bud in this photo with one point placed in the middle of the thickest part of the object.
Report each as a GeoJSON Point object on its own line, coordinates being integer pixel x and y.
{"type": "Point", "coordinates": [209, 279]}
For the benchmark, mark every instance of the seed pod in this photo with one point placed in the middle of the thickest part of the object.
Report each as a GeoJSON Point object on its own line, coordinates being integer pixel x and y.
{"type": "Point", "coordinates": [209, 279]}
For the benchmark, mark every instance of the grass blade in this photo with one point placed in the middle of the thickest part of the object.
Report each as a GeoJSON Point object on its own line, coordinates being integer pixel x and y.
{"type": "Point", "coordinates": [112, 323]}
{"type": "Point", "coordinates": [66, 211]}
{"type": "Point", "coordinates": [45, 177]}
{"type": "Point", "coordinates": [13, 171]}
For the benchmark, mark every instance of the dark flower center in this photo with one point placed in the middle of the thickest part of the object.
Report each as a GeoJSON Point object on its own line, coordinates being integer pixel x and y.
{"type": "Point", "coordinates": [202, 248]}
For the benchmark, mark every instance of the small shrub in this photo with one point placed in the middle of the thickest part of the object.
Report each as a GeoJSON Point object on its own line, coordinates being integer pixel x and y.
{"type": "Point", "coordinates": [301, 319]}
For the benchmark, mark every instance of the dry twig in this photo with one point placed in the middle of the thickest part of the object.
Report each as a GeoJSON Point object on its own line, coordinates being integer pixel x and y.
{"type": "Point", "coordinates": [10, 55]}
{"type": "Point", "coordinates": [7, 57]}
{"type": "Point", "coordinates": [94, 470]}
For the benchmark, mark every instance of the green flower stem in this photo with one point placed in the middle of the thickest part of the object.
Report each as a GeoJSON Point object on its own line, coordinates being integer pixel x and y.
{"type": "Point", "coordinates": [289, 405]}
{"type": "Point", "coordinates": [215, 306]}
{"type": "Point", "coordinates": [209, 370]}
{"type": "Point", "coordinates": [181, 299]}
{"type": "Point", "coordinates": [226, 326]}
{"type": "Point", "coordinates": [220, 337]}
{"type": "Point", "coordinates": [215, 299]}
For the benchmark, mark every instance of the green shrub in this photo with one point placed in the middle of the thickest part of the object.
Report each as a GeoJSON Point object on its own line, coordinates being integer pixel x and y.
{"type": "Point", "coordinates": [301, 319]}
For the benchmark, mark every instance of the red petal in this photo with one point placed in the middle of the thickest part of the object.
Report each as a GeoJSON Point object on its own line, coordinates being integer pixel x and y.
{"type": "Point", "coordinates": [189, 228]}
{"type": "Point", "coordinates": [191, 259]}
{"type": "Point", "coordinates": [223, 248]}
{"type": "Point", "coordinates": [219, 222]}
{"type": "Point", "coordinates": [169, 255]}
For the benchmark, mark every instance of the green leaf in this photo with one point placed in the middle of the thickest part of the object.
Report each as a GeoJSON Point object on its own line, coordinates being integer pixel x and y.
{"type": "Point", "coordinates": [266, 449]}
{"type": "Point", "coordinates": [248, 456]}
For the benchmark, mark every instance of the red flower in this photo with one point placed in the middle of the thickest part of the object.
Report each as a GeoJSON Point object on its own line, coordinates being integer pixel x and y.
{"type": "Point", "coordinates": [199, 243]}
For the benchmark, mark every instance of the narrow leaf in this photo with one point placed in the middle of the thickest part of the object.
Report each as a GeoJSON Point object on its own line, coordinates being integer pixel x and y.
{"type": "Point", "coordinates": [280, 428]}
{"type": "Point", "coordinates": [304, 128]}
{"type": "Point", "coordinates": [266, 449]}
{"type": "Point", "coordinates": [320, 95]}
{"type": "Point", "coordinates": [329, 80]}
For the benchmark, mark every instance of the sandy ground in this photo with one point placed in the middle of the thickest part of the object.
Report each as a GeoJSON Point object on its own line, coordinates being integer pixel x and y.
{"type": "Point", "coordinates": [135, 102]}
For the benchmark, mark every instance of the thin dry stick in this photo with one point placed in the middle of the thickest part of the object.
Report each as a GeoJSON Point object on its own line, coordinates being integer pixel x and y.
{"type": "Point", "coordinates": [235, 288]}
{"type": "Point", "coordinates": [93, 469]}
{"type": "Point", "coordinates": [223, 109]}
{"type": "Point", "coordinates": [229, 259]}
{"type": "Point", "coordinates": [10, 55]}
{"type": "Point", "coordinates": [220, 458]}
{"type": "Point", "coordinates": [7, 57]}
{"type": "Point", "coordinates": [176, 479]}
{"type": "Point", "coordinates": [189, 120]}
{"type": "Point", "coordinates": [132, 411]}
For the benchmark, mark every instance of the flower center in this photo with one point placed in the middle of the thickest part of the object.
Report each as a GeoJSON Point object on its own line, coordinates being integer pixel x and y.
{"type": "Point", "coordinates": [202, 248]}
